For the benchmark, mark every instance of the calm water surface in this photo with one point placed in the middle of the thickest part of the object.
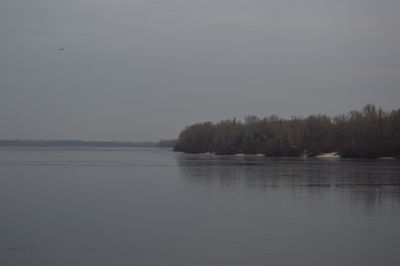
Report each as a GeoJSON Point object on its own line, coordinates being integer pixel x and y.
{"type": "Point", "coordinates": [154, 207]}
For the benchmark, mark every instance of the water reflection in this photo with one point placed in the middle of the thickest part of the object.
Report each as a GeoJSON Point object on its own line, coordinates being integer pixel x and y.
{"type": "Point", "coordinates": [368, 181]}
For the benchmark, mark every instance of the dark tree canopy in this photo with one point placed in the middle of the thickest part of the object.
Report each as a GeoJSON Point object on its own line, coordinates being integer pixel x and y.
{"type": "Point", "coordinates": [368, 133]}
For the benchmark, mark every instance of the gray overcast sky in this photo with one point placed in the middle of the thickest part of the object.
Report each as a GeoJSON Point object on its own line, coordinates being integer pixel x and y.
{"type": "Point", "coordinates": [142, 70]}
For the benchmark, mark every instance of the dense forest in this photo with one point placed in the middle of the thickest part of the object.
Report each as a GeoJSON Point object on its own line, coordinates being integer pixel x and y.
{"type": "Point", "coordinates": [368, 133]}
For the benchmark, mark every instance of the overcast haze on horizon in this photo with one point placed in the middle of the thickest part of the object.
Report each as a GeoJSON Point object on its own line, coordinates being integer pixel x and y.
{"type": "Point", "coordinates": [143, 70]}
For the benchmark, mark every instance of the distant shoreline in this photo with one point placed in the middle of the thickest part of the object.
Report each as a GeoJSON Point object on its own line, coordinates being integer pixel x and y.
{"type": "Point", "coordinates": [75, 143]}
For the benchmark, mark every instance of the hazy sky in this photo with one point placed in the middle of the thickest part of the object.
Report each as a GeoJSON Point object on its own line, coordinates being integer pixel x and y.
{"type": "Point", "coordinates": [142, 70]}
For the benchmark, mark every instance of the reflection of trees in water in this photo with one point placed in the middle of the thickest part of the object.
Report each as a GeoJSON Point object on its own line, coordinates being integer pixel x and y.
{"type": "Point", "coordinates": [369, 181]}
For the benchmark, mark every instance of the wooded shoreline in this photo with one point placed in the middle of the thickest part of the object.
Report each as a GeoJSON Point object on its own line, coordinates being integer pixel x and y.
{"type": "Point", "coordinates": [369, 133]}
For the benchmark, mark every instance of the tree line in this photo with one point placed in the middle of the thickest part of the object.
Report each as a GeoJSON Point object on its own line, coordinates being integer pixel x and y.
{"type": "Point", "coordinates": [368, 133]}
{"type": "Point", "coordinates": [167, 143]}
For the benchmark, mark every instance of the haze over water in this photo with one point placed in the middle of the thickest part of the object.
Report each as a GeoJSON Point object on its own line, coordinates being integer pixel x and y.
{"type": "Point", "coordinates": [149, 206]}
{"type": "Point", "coordinates": [143, 70]}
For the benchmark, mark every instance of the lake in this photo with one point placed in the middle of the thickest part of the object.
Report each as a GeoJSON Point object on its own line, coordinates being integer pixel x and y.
{"type": "Point", "coordinates": [150, 206]}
